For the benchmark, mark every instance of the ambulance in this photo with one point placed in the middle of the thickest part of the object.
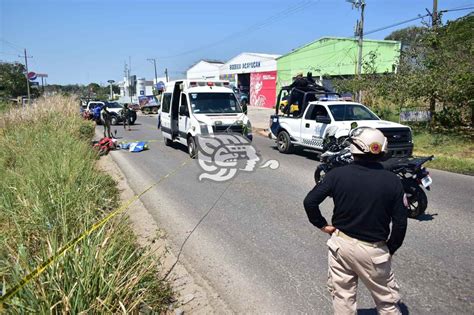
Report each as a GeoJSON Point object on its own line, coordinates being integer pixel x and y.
{"type": "Point", "coordinates": [192, 108]}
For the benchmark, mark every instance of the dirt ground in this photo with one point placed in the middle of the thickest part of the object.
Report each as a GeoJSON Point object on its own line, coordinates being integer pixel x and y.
{"type": "Point", "coordinates": [192, 293]}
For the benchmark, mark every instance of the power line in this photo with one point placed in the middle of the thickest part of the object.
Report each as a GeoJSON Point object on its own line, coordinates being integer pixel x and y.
{"type": "Point", "coordinates": [396, 24]}
{"type": "Point", "coordinates": [458, 9]}
{"type": "Point", "coordinates": [14, 46]}
{"type": "Point", "coordinates": [286, 12]}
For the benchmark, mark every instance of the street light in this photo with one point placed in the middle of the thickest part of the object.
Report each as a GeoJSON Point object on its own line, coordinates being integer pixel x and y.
{"type": "Point", "coordinates": [111, 90]}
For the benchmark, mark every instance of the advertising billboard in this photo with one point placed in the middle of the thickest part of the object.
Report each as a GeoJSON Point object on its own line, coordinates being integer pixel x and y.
{"type": "Point", "coordinates": [263, 89]}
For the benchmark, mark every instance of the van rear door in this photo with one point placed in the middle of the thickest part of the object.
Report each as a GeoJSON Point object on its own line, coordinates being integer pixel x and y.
{"type": "Point", "coordinates": [165, 115]}
{"type": "Point", "coordinates": [184, 119]}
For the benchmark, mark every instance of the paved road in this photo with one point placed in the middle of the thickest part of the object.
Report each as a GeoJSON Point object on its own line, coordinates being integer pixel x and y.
{"type": "Point", "coordinates": [257, 249]}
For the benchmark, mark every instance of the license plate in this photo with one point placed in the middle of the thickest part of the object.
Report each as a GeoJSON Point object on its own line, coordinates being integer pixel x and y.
{"type": "Point", "coordinates": [427, 181]}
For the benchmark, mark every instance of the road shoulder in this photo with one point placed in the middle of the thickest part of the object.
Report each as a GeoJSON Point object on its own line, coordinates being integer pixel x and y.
{"type": "Point", "coordinates": [193, 293]}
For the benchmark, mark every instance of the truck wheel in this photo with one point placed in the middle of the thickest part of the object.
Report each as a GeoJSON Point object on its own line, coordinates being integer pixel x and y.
{"type": "Point", "coordinates": [284, 142]}
{"type": "Point", "coordinates": [146, 110]}
{"type": "Point", "coordinates": [192, 149]}
{"type": "Point", "coordinates": [154, 110]}
{"type": "Point", "coordinates": [114, 120]}
{"type": "Point", "coordinates": [168, 142]}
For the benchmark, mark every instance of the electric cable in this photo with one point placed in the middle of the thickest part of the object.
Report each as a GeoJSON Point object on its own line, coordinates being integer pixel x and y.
{"type": "Point", "coordinates": [194, 229]}
{"type": "Point", "coordinates": [272, 19]}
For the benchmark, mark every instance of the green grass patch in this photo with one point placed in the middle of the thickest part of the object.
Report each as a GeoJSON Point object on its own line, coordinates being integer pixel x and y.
{"type": "Point", "coordinates": [52, 192]}
{"type": "Point", "coordinates": [454, 151]}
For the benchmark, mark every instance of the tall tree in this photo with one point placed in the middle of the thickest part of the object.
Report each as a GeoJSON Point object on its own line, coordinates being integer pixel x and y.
{"type": "Point", "coordinates": [12, 80]}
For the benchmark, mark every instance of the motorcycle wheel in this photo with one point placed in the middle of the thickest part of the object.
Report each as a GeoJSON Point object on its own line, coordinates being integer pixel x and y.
{"type": "Point", "coordinates": [416, 197]}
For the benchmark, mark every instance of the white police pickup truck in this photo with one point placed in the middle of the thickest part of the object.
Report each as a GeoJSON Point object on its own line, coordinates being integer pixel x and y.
{"type": "Point", "coordinates": [307, 126]}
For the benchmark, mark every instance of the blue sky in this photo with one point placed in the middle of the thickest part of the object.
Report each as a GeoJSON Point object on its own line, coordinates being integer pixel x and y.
{"type": "Point", "coordinates": [82, 41]}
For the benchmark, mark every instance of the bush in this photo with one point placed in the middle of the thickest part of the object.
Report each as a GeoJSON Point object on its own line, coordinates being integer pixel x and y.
{"type": "Point", "coordinates": [52, 192]}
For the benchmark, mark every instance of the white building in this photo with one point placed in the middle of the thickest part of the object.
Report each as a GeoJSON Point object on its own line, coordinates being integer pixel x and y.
{"type": "Point", "coordinates": [255, 74]}
{"type": "Point", "coordinates": [204, 69]}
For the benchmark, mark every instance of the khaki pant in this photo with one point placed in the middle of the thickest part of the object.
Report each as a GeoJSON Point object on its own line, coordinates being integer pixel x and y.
{"type": "Point", "coordinates": [349, 260]}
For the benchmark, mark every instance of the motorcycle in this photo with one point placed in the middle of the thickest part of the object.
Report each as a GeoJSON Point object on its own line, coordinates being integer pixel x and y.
{"type": "Point", "coordinates": [410, 171]}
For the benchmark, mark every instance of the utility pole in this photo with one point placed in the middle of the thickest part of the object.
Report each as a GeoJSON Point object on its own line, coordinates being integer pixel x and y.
{"type": "Point", "coordinates": [27, 79]}
{"type": "Point", "coordinates": [359, 4]}
{"type": "Point", "coordinates": [111, 89]}
{"type": "Point", "coordinates": [154, 64]}
{"type": "Point", "coordinates": [166, 74]}
{"type": "Point", "coordinates": [434, 26]}
{"type": "Point", "coordinates": [434, 15]}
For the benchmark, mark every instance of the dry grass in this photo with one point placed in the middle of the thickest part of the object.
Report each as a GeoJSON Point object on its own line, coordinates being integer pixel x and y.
{"type": "Point", "coordinates": [52, 192]}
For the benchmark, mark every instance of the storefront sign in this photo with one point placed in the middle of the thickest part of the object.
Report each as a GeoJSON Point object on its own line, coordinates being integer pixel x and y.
{"type": "Point", "coordinates": [245, 65]}
{"type": "Point", "coordinates": [263, 89]}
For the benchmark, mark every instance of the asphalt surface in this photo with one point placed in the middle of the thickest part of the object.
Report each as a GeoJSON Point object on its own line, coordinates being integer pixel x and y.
{"type": "Point", "coordinates": [260, 253]}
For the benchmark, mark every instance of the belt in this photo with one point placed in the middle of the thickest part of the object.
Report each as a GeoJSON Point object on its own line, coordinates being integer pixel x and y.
{"type": "Point", "coordinates": [375, 244]}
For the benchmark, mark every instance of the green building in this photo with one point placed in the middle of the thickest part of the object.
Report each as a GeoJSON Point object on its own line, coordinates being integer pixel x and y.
{"type": "Point", "coordinates": [336, 56]}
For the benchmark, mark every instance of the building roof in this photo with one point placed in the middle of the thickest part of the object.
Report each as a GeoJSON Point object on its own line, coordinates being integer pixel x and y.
{"type": "Point", "coordinates": [335, 38]}
{"type": "Point", "coordinates": [210, 61]}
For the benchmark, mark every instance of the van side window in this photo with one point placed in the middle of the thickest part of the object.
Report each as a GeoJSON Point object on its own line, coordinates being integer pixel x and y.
{"type": "Point", "coordinates": [184, 100]}
{"type": "Point", "coordinates": [165, 103]}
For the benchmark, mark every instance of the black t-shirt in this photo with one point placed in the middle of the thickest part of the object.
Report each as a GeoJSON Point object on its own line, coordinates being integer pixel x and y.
{"type": "Point", "coordinates": [367, 199]}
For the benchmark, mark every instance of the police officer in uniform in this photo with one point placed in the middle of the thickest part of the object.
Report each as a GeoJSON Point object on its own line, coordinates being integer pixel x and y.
{"type": "Point", "coordinates": [367, 199]}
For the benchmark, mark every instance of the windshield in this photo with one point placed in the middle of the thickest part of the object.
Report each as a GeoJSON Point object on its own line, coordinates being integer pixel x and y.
{"type": "Point", "coordinates": [342, 112]}
{"type": "Point", "coordinates": [113, 105]}
{"type": "Point", "coordinates": [206, 103]}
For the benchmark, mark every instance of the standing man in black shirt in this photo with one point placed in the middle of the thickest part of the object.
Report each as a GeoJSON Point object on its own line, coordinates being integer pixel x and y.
{"type": "Point", "coordinates": [367, 199]}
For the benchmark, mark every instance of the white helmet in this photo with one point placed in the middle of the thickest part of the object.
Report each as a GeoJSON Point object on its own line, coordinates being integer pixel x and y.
{"type": "Point", "coordinates": [365, 140]}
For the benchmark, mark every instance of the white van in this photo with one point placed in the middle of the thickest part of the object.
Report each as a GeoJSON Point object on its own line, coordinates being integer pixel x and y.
{"type": "Point", "coordinates": [191, 108]}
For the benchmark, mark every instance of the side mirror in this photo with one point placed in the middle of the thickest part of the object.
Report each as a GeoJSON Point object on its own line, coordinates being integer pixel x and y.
{"type": "Point", "coordinates": [183, 110]}
{"type": "Point", "coordinates": [323, 119]}
{"type": "Point", "coordinates": [354, 125]}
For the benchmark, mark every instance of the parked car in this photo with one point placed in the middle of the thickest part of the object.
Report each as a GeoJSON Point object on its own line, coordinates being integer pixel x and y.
{"type": "Point", "coordinates": [114, 108]}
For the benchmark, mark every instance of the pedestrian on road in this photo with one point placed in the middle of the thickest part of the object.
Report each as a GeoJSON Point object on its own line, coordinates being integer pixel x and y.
{"type": "Point", "coordinates": [126, 116]}
{"type": "Point", "coordinates": [106, 118]}
{"type": "Point", "coordinates": [367, 199]}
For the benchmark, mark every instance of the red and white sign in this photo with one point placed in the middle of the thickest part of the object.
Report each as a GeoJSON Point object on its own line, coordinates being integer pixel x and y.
{"type": "Point", "coordinates": [31, 76]}
{"type": "Point", "coordinates": [263, 89]}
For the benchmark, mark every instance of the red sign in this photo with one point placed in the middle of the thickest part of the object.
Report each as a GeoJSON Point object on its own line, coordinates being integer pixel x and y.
{"type": "Point", "coordinates": [263, 89]}
{"type": "Point", "coordinates": [31, 75]}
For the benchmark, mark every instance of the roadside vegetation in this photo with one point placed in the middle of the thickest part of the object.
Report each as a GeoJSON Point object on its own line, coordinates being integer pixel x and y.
{"type": "Point", "coordinates": [436, 74]}
{"type": "Point", "coordinates": [51, 193]}
{"type": "Point", "coordinates": [453, 151]}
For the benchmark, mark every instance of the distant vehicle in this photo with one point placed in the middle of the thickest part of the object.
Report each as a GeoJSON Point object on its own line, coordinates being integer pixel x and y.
{"type": "Point", "coordinates": [148, 104]}
{"type": "Point", "coordinates": [241, 96]}
{"type": "Point", "coordinates": [114, 108]}
{"type": "Point", "coordinates": [134, 107]}
{"type": "Point", "coordinates": [313, 113]}
{"type": "Point", "coordinates": [191, 108]}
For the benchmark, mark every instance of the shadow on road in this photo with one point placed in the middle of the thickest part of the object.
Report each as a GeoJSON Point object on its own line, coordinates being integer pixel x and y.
{"type": "Point", "coordinates": [426, 217]}
{"type": "Point", "coordinates": [307, 153]}
{"type": "Point", "coordinates": [373, 311]}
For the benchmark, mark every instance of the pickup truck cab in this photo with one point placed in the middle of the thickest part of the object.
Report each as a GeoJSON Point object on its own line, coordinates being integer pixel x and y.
{"type": "Point", "coordinates": [308, 124]}
{"type": "Point", "coordinates": [190, 108]}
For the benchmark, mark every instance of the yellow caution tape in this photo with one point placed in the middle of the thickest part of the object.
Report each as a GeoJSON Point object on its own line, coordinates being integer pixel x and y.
{"type": "Point", "coordinates": [41, 268]}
